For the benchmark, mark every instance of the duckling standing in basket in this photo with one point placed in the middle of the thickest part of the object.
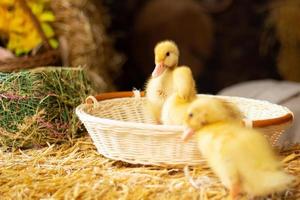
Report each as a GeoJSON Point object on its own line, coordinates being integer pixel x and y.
{"type": "Point", "coordinates": [175, 108]}
{"type": "Point", "coordinates": [160, 85]}
{"type": "Point", "coordinates": [241, 157]}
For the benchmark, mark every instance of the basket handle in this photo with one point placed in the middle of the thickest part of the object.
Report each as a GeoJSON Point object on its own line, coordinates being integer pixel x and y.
{"type": "Point", "coordinates": [110, 95]}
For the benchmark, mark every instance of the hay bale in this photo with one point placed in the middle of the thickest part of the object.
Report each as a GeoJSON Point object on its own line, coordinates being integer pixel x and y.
{"type": "Point", "coordinates": [37, 106]}
{"type": "Point", "coordinates": [79, 172]}
{"type": "Point", "coordinates": [285, 15]}
{"type": "Point", "coordinates": [288, 63]}
{"type": "Point", "coordinates": [284, 18]}
{"type": "Point", "coordinates": [81, 27]}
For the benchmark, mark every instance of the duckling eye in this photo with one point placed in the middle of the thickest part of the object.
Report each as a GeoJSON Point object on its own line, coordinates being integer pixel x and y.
{"type": "Point", "coordinates": [191, 115]}
{"type": "Point", "coordinates": [168, 53]}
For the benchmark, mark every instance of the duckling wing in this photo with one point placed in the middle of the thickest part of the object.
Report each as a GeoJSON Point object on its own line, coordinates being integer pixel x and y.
{"type": "Point", "coordinates": [257, 165]}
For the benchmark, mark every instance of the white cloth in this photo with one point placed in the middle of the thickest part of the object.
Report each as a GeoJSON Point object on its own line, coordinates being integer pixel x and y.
{"type": "Point", "coordinates": [280, 92]}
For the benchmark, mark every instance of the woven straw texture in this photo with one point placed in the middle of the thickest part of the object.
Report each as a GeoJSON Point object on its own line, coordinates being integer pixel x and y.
{"type": "Point", "coordinates": [121, 129]}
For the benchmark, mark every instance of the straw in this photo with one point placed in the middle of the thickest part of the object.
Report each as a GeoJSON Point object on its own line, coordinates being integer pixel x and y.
{"type": "Point", "coordinates": [78, 172]}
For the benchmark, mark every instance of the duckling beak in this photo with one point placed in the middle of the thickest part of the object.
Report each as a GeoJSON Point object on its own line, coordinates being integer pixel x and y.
{"type": "Point", "coordinates": [187, 134]}
{"type": "Point", "coordinates": [158, 70]}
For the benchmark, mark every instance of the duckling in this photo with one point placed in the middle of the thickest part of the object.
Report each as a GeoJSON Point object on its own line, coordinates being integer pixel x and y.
{"type": "Point", "coordinates": [241, 157]}
{"type": "Point", "coordinates": [175, 107]}
{"type": "Point", "coordinates": [160, 84]}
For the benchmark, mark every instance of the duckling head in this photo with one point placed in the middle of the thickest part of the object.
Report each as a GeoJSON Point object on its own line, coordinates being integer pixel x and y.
{"type": "Point", "coordinates": [166, 57]}
{"type": "Point", "coordinates": [205, 111]}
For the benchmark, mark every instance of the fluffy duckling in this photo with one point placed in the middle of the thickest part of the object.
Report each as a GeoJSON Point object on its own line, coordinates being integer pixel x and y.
{"type": "Point", "coordinates": [175, 107]}
{"type": "Point", "coordinates": [241, 157]}
{"type": "Point", "coordinates": [160, 84]}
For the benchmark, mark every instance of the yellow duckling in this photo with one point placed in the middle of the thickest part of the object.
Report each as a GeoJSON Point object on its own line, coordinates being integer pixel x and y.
{"type": "Point", "coordinates": [241, 157]}
{"type": "Point", "coordinates": [175, 107]}
{"type": "Point", "coordinates": [160, 85]}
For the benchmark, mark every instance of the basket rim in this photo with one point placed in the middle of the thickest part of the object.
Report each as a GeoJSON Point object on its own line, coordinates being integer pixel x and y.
{"type": "Point", "coordinates": [167, 129]}
{"type": "Point", "coordinates": [287, 118]}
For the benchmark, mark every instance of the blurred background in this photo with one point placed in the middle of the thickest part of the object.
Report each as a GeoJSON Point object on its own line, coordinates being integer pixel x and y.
{"type": "Point", "coordinates": [224, 41]}
{"type": "Point", "coordinates": [248, 48]}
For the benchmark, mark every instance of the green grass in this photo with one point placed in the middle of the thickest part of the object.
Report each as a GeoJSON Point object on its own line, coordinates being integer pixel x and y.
{"type": "Point", "coordinates": [43, 101]}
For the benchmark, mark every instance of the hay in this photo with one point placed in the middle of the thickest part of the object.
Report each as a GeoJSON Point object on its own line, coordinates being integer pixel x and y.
{"type": "Point", "coordinates": [284, 19]}
{"type": "Point", "coordinates": [82, 29]}
{"type": "Point", "coordinates": [288, 63]}
{"type": "Point", "coordinates": [284, 16]}
{"type": "Point", "coordinates": [79, 172]}
{"type": "Point", "coordinates": [37, 106]}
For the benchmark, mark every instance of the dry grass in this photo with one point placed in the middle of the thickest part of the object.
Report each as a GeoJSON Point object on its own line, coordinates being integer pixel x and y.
{"type": "Point", "coordinates": [77, 171]}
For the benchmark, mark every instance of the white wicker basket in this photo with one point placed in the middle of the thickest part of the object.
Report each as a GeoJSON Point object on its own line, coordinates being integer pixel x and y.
{"type": "Point", "coordinates": [121, 129]}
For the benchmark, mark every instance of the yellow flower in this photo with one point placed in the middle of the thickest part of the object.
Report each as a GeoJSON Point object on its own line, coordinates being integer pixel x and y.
{"type": "Point", "coordinates": [5, 18]}
{"type": "Point", "coordinates": [17, 26]}
{"type": "Point", "coordinates": [7, 2]}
